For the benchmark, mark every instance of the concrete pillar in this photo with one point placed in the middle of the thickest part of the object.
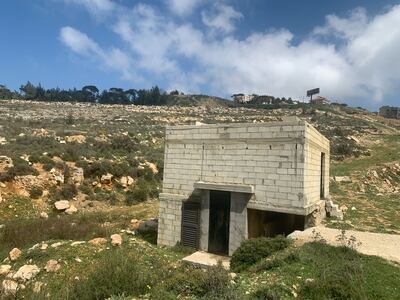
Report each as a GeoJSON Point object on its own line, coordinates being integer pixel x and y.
{"type": "Point", "coordinates": [238, 220]}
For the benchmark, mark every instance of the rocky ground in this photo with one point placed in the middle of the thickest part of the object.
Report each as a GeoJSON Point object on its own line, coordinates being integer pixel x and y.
{"type": "Point", "coordinates": [77, 179]}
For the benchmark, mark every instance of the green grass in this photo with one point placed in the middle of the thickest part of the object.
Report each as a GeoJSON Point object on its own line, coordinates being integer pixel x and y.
{"type": "Point", "coordinates": [83, 226]}
{"type": "Point", "coordinates": [140, 269]}
{"type": "Point", "coordinates": [320, 271]}
{"type": "Point", "coordinates": [387, 150]}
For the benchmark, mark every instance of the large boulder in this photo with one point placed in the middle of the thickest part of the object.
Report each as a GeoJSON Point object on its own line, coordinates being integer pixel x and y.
{"type": "Point", "coordinates": [80, 139]}
{"type": "Point", "coordinates": [14, 254]}
{"type": "Point", "coordinates": [148, 226]}
{"type": "Point", "coordinates": [9, 287]}
{"type": "Point", "coordinates": [126, 181]}
{"type": "Point", "coordinates": [57, 176]}
{"type": "Point", "coordinates": [98, 241]}
{"type": "Point", "coordinates": [52, 266]}
{"type": "Point", "coordinates": [76, 176]}
{"type": "Point", "coordinates": [26, 273]}
{"type": "Point", "coordinates": [62, 205]}
{"type": "Point", "coordinates": [116, 240]}
{"type": "Point", "coordinates": [106, 179]}
{"type": "Point", "coordinates": [5, 269]}
{"type": "Point", "coordinates": [5, 164]}
{"type": "Point", "coordinates": [71, 210]}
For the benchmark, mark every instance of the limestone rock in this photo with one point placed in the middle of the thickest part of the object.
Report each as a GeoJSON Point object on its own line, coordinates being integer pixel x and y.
{"type": "Point", "coordinates": [345, 179]}
{"type": "Point", "coordinates": [106, 179]}
{"type": "Point", "coordinates": [9, 287]}
{"type": "Point", "coordinates": [98, 241]}
{"type": "Point", "coordinates": [52, 266]}
{"type": "Point", "coordinates": [37, 287]}
{"type": "Point", "coordinates": [56, 245]}
{"type": "Point", "coordinates": [56, 176]}
{"type": "Point", "coordinates": [62, 205]}
{"type": "Point", "coordinates": [26, 272]}
{"type": "Point", "coordinates": [76, 176]}
{"type": "Point", "coordinates": [80, 139]}
{"type": "Point", "coordinates": [5, 269]}
{"type": "Point", "coordinates": [5, 163]}
{"type": "Point", "coordinates": [44, 215]}
{"type": "Point", "coordinates": [77, 243]}
{"type": "Point", "coordinates": [71, 210]}
{"type": "Point", "coordinates": [126, 181]}
{"type": "Point", "coordinates": [116, 240]}
{"type": "Point", "coordinates": [134, 224]}
{"type": "Point", "coordinates": [14, 254]}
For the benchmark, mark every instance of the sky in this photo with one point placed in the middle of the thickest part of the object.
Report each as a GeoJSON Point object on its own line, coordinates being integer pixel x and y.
{"type": "Point", "coordinates": [349, 49]}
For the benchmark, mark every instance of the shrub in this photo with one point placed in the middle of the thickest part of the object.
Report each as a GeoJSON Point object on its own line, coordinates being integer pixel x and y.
{"type": "Point", "coordinates": [68, 191]}
{"type": "Point", "coordinates": [36, 192]}
{"type": "Point", "coordinates": [70, 120]}
{"type": "Point", "coordinates": [211, 284]}
{"type": "Point", "coordinates": [274, 292]}
{"type": "Point", "coordinates": [118, 272]}
{"type": "Point", "coordinates": [106, 196]}
{"type": "Point", "coordinates": [253, 250]}
{"type": "Point", "coordinates": [86, 189]}
{"type": "Point", "coordinates": [20, 168]}
{"type": "Point", "coordinates": [34, 158]}
{"type": "Point", "coordinates": [19, 233]}
{"type": "Point", "coordinates": [277, 262]}
{"type": "Point", "coordinates": [141, 191]}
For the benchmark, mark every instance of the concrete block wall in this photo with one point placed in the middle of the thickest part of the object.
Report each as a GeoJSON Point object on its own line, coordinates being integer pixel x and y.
{"type": "Point", "coordinates": [169, 222]}
{"type": "Point", "coordinates": [280, 159]}
{"type": "Point", "coordinates": [269, 156]}
{"type": "Point", "coordinates": [315, 144]}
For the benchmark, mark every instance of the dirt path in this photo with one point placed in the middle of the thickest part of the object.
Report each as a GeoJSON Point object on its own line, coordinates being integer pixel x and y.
{"type": "Point", "coordinates": [380, 244]}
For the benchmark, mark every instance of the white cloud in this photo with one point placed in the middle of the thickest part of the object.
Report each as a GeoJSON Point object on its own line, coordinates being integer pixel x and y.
{"type": "Point", "coordinates": [114, 59]}
{"type": "Point", "coordinates": [182, 7]}
{"type": "Point", "coordinates": [96, 7]}
{"type": "Point", "coordinates": [364, 63]}
{"type": "Point", "coordinates": [345, 28]}
{"type": "Point", "coordinates": [78, 42]}
{"type": "Point", "coordinates": [221, 18]}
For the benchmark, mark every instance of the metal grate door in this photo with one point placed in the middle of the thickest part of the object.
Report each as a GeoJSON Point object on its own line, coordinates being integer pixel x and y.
{"type": "Point", "coordinates": [190, 224]}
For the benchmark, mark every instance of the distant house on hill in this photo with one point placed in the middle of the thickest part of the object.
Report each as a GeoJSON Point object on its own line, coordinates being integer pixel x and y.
{"type": "Point", "coordinates": [390, 112]}
{"type": "Point", "coordinates": [242, 98]}
{"type": "Point", "coordinates": [319, 100]}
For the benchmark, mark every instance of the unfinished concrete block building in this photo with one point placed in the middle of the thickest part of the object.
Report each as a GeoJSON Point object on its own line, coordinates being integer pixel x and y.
{"type": "Point", "coordinates": [224, 183]}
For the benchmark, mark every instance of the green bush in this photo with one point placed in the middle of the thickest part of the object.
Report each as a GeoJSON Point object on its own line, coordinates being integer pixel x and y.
{"type": "Point", "coordinates": [22, 232]}
{"type": "Point", "coordinates": [86, 189]}
{"type": "Point", "coordinates": [277, 262]}
{"type": "Point", "coordinates": [20, 168]}
{"type": "Point", "coordinates": [106, 196]}
{"type": "Point", "coordinates": [34, 158]}
{"type": "Point", "coordinates": [118, 272]}
{"type": "Point", "coordinates": [68, 191]}
{"type": "Point", "coordinates": [211, 284]}
{"type": "Point", "coordinates": [141, 191]}
{"type": "Point", "coordinates": [36, 192]}
{"type": "Point", "coordinates": [274, 292]}
{"type": "Point", "coordinates": [253, 250]}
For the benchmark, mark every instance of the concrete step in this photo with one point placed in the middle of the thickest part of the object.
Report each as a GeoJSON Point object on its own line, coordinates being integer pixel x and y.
{"type": "Point", "coordinates": [204, 259]}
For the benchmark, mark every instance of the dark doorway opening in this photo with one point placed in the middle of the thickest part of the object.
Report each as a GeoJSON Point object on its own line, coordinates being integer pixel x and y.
{"type": "Point", "coordinates": [322, 183]}
{"type": "Point", "coordinates": [218, 239]}
{"type": "Point", "coordinates": [270, 224]}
